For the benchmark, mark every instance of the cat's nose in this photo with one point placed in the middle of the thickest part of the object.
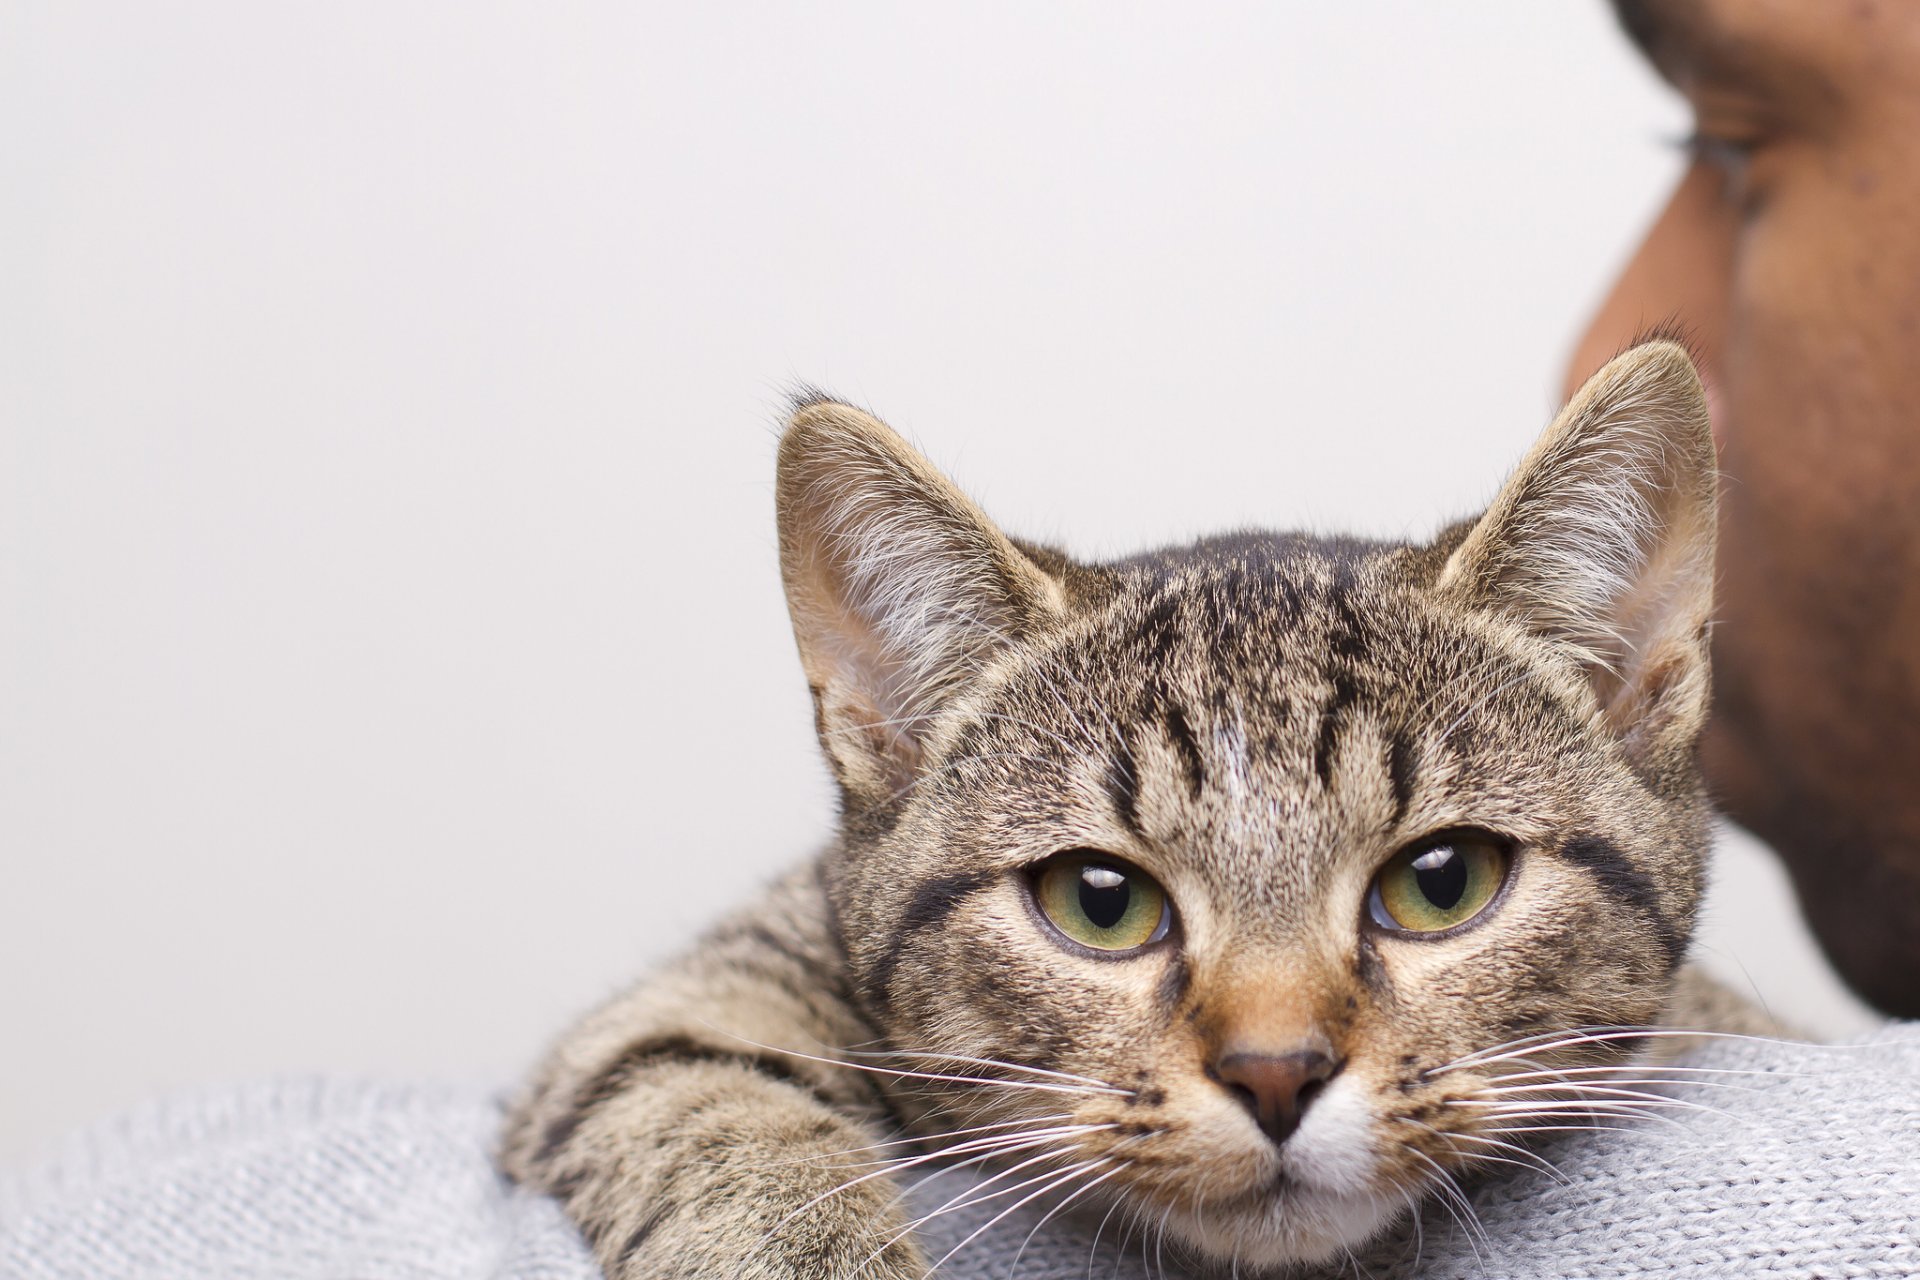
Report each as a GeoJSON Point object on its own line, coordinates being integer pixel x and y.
{"type": "Point", "coordinates": [1276, 1088]}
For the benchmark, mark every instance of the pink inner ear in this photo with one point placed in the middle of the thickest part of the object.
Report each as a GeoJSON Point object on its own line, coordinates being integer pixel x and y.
{"type": "Point", "coordinates": [1603, 539]}
{"type": "Point", "coordinates": [1658, 632]}
{"type": "Point", "coordinates": [862, 742]}
{"type": "Point", "coordinates": [899, 588]}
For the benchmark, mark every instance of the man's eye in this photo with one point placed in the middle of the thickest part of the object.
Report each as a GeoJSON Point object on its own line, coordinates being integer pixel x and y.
{"type": "Point", "coordinates": [1726, 143]}
{"type": "Point", "coordinates": [1730, 156]}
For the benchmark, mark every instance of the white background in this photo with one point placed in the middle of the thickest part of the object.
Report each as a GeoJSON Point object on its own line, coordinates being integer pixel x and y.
{"type": "Point", "coordinates": [392, 658]}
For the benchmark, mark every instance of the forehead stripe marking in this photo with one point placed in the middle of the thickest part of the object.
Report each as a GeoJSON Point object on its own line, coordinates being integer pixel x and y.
{"type": "Point", "coordinates": [1347, 642]}
{"type": "Point", "coordinates": [1400, 775]}
{"type": "Point", "coordinates": [1180, 733]}
{"type": "Point", "coordinates": [1346, 688]}
{"type": "Point", "coordinates": [1123, 786]}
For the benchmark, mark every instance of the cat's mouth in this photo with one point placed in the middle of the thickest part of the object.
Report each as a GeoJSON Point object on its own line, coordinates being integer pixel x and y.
{"type": "Point", "coordinates": [1278, 1188]}
{"type": "Point", "coordinates": [1280, 1184]}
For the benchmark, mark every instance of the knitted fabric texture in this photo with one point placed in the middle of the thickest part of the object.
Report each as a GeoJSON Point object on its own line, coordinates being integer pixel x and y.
{"type": "Point", "coordinates": [1810, 1168]}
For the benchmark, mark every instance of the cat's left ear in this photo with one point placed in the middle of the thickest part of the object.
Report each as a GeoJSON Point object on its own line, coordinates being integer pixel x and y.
{"type": "Point", "coordinates": [901, 590]}
{"type": "Point", "coordinates": [1603, 540]}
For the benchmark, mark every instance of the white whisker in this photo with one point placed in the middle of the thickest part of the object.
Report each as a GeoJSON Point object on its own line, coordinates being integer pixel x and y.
{"type": "Point", "coordinates": [1013, 1268]}
{"type": "Point", "coordinates": [1453, 1199]}
{"type": "Point", "coordinates": [1594, 1111]}
{"type": "Point", "coordinates": [978, 1231]}
{"type": "Point", "coordinates": [1450, 1136]}
{"type": "Point", "coordinates": [1419, 1229]}
{"type": "Point", "coordinates": [1554, 1072]}
{"type": "Point", "coordinates": [919, 1140]}
{"type": "Point", "coordinates": [1094, 1248]}
{"type": "Point", "coordinates": [1562, 1128]}
{"type": "Point", "coordinates": [969, 1196]}
{"type": "Point", "coordinates": [1573, 1037]}
{"type": "Point", "coordinates": [1584, 1091]}
{"type": "Point", "coordinates": [1527, 1166]}
{"type": "Point", "coordinates": [1005, 1144]}
{"type": "Point", "coordinates": [1037, 1085]}
{"type": "Point", "coordinates": [988, 1144]}
{"type": "Point", "coordinates": [1622, 1099]}
{"type": "Point", "coordinates": [978, 1062]}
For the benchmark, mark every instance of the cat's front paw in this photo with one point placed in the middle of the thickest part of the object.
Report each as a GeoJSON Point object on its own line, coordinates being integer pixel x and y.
{"type": "Point", "coordinates": [856, 1232]}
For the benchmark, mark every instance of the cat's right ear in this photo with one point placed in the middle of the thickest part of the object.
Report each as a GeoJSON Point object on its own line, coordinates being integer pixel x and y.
{"type": "Point", "coordinates": [899, 586]}
{"type": "Point", "coordinates": [1603, 541]}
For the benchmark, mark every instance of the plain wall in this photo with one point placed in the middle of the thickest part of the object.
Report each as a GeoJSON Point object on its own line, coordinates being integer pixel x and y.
{"type": "Point", "coordinates": [392, 657]}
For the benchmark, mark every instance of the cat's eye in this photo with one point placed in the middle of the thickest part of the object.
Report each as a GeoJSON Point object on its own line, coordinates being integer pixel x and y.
{"type": "Point", "coordinates": [1101, 902]}
{"type": "Point", "coordinates": [1439, 883]}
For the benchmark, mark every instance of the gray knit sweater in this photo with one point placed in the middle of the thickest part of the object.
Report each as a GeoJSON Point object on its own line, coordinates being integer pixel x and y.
{"type": "Point", "coordinates": [1814, 1172]}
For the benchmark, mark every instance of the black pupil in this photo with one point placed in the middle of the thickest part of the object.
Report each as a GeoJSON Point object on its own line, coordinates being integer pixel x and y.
{"type": "Point", "coordinates": [1104, 895]}
{"type": "Point", "coordinates": [1442, 876]}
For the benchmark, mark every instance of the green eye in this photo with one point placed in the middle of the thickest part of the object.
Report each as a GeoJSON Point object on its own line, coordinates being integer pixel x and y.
{"type": "Point", "coordinates": [1102, 902]}
{"type": "Point", "coordinates": [1439, 883]}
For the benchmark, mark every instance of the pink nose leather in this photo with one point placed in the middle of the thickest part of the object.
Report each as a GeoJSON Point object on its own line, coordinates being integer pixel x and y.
{"type": "Point", "coordinates": [1276, 1088]}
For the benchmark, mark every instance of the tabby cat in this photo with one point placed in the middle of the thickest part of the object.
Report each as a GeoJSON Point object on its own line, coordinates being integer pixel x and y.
{"type": "Point", "coordinates": [1258, 885]}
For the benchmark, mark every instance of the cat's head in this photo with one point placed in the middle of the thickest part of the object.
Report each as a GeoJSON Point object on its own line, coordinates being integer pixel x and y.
{"type": "Point", "coordinates": [1253, 858]}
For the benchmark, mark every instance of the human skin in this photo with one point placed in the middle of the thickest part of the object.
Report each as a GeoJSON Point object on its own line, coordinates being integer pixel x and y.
{"type": "Point", "coordinates": [1789, 253]}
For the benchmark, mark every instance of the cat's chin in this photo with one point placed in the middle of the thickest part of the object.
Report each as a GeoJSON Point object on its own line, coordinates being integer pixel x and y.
{"type": "Point", "coordinates": [1287, 1227]}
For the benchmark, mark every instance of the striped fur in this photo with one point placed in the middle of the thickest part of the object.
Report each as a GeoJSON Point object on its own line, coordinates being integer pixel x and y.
{"type": "Point", "coordinates": [1260, 721]}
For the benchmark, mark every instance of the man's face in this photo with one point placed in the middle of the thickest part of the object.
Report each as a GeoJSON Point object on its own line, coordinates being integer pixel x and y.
{"type": "Point", "coordinates": [1790, 252]}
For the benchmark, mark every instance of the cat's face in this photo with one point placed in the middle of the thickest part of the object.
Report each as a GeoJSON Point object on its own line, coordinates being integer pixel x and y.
{"type": "Point", "coordinates": [1246, 860]}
